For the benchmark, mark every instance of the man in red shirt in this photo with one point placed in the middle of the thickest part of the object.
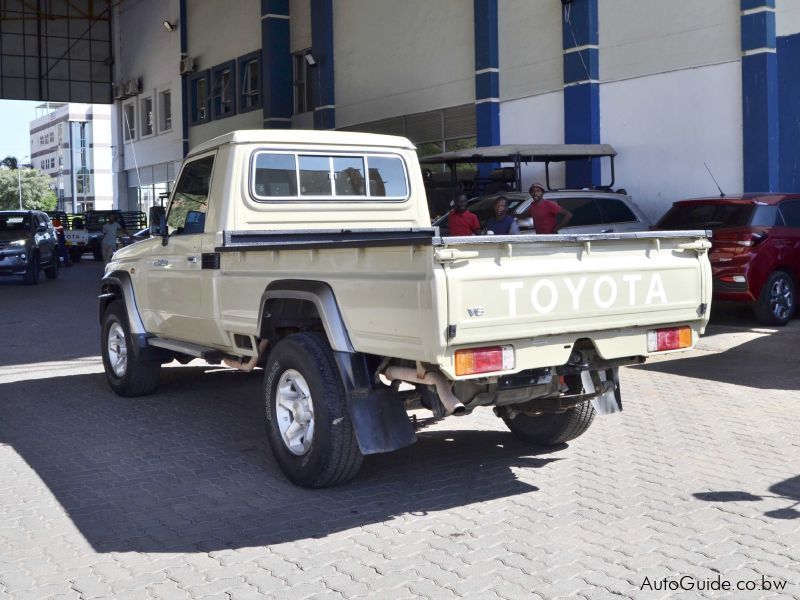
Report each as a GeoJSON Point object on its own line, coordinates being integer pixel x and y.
{"type": "Point", "coordinates": [546, 213]}
{"type": "Point", "coordinates": [461, 221]}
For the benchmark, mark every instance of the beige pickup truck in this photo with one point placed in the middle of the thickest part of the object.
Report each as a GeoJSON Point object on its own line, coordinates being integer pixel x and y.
{"type": "Point", "coordinates": [310, 254]}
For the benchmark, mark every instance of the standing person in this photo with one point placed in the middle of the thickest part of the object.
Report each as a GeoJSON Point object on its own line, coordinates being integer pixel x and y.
{"type": "Point", "coordinates": [62, 241]}
{"type": "Point", "coordinates": [111, 231]}
{"type": "Point", "coordinates": [502, 223]}
{"type": "Point", "coordinates": [461, 221]}
{"type": "Point", "coordinates": [548, 217]}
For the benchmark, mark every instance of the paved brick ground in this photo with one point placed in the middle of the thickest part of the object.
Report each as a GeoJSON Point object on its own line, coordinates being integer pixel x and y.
{"type": "Point", "coordinates": [177, 495]}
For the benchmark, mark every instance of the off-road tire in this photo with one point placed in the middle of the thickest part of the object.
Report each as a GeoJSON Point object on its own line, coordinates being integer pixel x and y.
{"type": "Point", "coordinates": [333, 456]}
{"type": "Point", "coordinates": [764, 309]}
{"type": "Point", "coordinates": [552, 429]}
{"type": "Point", "coordinates": [141, 377]}
{"type": "Point", "coordinates": [31, 276]}
{"type": "Point", "coordinates": [52, 270]}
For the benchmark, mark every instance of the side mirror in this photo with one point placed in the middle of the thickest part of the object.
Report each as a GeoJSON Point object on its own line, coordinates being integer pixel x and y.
{"type": "Point", "coordinates": [158, 218]}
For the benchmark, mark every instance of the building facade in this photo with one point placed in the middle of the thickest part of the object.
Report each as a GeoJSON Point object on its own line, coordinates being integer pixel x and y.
{"type": "Point", "coordinates": [673, 86]}
{"type": "Point", "coordinates": [72, 144]}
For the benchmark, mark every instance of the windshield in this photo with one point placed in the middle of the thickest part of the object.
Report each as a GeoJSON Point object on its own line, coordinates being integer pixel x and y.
{"type": "Point", "coordinates": [707, 216]}
{"type": "Point", "coordinates": [15, 222]}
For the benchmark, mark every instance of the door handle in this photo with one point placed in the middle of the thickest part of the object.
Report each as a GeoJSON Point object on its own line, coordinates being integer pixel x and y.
{"type": "Point", "coordinates": [191, 259]}
{"type": "Point", "coordinates": [607, 231]}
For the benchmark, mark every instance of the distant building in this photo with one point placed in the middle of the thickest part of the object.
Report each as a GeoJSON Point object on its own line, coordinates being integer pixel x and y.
{"type": "Point", "coordinates": [72, 144]}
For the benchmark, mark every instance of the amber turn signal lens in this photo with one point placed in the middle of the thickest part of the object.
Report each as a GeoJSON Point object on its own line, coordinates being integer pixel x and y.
{"type": "Point", "coordinates": [669, 338]}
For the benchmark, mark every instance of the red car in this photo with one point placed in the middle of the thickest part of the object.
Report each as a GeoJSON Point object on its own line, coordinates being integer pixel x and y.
{"type": "Point", "coordinates": [755, 253]}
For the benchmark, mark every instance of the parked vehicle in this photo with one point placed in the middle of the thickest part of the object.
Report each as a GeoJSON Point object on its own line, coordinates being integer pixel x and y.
{"type": "Point", "coordinates": [593, 211]}
{"type": "Point", "coordinates": [312, 253]}
{"type": "Point", "coordinates": [84, 231]}
{"type": "Point", "coordinates": [28, 245]}
{"type": "Point", "coordinates": [755, 252]}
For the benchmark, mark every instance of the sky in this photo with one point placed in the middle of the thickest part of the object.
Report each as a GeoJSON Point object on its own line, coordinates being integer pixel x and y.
{"type": "Point", "coordinates": [15, 118]}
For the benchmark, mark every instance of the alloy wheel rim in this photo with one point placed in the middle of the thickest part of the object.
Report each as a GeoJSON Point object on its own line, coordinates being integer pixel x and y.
{"type": "Point", "coordinates": [780, 299]}
{"type": "Point", "coordinates": [295, 412]}
{"type": "Point", "coordinates": [117, 350]}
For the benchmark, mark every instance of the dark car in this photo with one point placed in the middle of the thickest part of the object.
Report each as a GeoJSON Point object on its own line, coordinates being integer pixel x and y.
{"type": "Point", "coordinates": [28, 244]}
{"type": "Point", "coordinates": [755, 252]}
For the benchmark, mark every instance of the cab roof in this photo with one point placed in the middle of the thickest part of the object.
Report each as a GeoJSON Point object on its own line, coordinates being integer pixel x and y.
{"type": "Point", "coordinates": [304, 137]}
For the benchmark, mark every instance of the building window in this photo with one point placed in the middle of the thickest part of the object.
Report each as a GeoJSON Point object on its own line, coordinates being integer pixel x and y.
{"type": "Point", "coordinates": [146, 114]}
{"type": "Point", "coordinates": [303, 82]}
{"type": "Point", "coordinates": [129, 121]}
{"type": "Point", "coordinates": [82, 181]}
{"type": "Point", "coordinates": [200, 99]}
{"type": "Point", "coordinates": [249, 82]}
{"type": "Point", "coordinates": [52, 136]}
{"type": "Point", "coordinates": [222, 99]}
{"type": "Point", "coordinates": [165, 110]}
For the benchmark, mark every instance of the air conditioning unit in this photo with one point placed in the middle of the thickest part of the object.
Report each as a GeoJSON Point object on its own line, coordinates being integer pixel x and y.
{"type": "Point", "coordinates": [187, 65]}
{"type": "Point", "coordinates": [133, 87]}
{"type": "Point", "coordinates": [119, 91]}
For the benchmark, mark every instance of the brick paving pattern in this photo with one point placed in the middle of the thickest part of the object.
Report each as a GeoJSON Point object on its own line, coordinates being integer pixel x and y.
{"type": "Point", "coordinates": [177, 496]}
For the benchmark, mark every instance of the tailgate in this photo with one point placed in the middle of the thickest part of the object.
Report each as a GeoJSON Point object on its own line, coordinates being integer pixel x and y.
{"type": "Point", "coordinates": [528, 286]}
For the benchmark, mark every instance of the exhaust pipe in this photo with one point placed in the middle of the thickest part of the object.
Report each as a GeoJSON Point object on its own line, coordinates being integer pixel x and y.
{"type": "Point", "coordinates": [235, 363]}
{"type": "Point", "coordinates": [452, 405]}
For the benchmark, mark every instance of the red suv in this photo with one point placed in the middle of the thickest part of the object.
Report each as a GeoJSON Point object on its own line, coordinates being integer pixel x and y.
{"type": "Point", "coordinates": [755, 252]}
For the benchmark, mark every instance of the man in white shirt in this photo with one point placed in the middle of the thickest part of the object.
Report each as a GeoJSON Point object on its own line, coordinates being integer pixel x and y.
{"type": "Point", "coordinates": [111, 231]}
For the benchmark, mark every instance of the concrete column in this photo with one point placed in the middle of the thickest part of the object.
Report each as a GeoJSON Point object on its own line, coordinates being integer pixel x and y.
{"type": "Point", "coordinates": [276, 65]}
{"type": "Point", "coordinates": [580, 38]}
{"type": "Point", "coordinates": [759, 96]}
{"type": "Point", "coordinates": [487, 73]}
{"type": "Point", "coordinates": [322, 73]}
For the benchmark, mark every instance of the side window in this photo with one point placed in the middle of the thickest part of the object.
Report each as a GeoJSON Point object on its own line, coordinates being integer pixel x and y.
{"type": "Point", "coordinates": [387, 178]}
{"type": "Point", "coordinates": [585, 211]}
{"type": "Point", "coordinates": [617, 212]}
{"type": "Point", "coordinates": [275, 175]}
{"type": "Point", "coordinates": [791, 213]}
{"type": "Point", "coordinates": [315, 176]}
{"type": "Point", "coordinates": [187, 211]}
{"type": "Point", "coordinates": [348, 173]}
{"type": "Point", "coordinates": [766, 215]}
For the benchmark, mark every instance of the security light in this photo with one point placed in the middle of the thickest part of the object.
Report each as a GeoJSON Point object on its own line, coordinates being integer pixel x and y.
{"type": "Point", "coordinates": [168, 26]}
{"type": "Point", "coordinates": [310, 59]}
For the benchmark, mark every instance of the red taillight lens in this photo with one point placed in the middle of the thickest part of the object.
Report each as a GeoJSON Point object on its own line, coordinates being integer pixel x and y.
{"type": "Point", "coordinates": [484, 360]}
{"type": "Point", "coordinates": [669, 338]}
{"type": "Point", "coordinates": [746, 239]}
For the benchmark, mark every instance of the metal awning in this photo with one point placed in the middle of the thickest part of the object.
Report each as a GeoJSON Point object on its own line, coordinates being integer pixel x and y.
{"type": "Point", "coordinates": [523, 153]}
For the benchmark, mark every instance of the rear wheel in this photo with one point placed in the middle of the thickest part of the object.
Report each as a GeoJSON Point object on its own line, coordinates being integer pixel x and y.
{"type": "Point", "coordinates": [31, 276]}
{"type": "Point", "coordinates": [52, 270]}
{"type": "Point", "coordinates": [127, 374]}
{"type": "Point", "coordinates": [776, 303]}
{"type": "Point", "coordinates": [552, 429]}
{"type": "Point", "coordinates": [308, 423]}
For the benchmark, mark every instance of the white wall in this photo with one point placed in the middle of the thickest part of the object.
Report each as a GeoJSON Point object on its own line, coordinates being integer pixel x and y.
{"type": "Point", "coordinates": [535, 120]}
{"type": "Point", "coordinates": [397, 58]}
{"type": "Point", "coordinates": [643, 37]}
{"type": "Point", "coordinates": [665, 126]}
{"type": "Point", "coordinates": [787, 17]}
{"type": "Point", "coordinates": [531, 55]}
{"type": "Point", "coordinates": [299, 25]}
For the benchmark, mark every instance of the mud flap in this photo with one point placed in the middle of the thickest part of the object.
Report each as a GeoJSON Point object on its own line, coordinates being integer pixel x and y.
{"type": "Point", "coordinates": [379, 418]}
{"type": "Point", "coordinates": [611, 401]}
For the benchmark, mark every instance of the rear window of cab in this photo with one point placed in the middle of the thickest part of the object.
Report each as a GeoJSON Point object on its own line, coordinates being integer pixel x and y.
{"type": "Point", "coordinates": [295, 176]}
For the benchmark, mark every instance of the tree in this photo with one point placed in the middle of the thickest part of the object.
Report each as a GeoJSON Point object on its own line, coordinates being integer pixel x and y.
{"type": "Point", "coordinates": [9, 161]}
{"type": "Point", "coordinates": [36, 191]}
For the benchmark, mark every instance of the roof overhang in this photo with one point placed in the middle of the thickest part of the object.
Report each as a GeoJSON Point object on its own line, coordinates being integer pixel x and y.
{"type": "Point", "coordinates": [524, 153]}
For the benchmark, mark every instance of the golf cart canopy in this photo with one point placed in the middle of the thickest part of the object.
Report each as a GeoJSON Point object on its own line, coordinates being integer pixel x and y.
{"type": "Point", "coordinates": [524, 153]}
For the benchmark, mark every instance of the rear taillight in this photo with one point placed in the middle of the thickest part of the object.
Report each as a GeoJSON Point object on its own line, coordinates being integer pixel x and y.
{"type": "Point", "coordinates": [747, 239]}
{"type": "Point", "coordinates": [669, 338]}
{"type": "Point", "coordinates": [484, 360]}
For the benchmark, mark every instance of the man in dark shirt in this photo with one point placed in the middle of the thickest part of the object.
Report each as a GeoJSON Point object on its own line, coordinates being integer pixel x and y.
{"type": "Point", "coordinates": [461, 221]}
{"type": "Point", "coordinates": [502, 223]}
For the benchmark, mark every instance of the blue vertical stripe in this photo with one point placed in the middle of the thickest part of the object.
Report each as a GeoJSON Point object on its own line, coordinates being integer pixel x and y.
{"type": "Point", "coordinates": [789, 113]}
{"type": "Point", "coordinates": [322, 73]}
{"type": "Point", "coordinates": [276, 65]}
{"type": "Point", "coordinates": [487, 77]}
{"type": "Point", "coordinates": [581, 88]}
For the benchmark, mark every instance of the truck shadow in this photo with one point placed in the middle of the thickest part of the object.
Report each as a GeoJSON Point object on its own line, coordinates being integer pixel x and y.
{"type": "Point", "coordinates": [767, 362]}
{"type": "Point", "coordinates": [788, 489]}
{"type": "Point", "coordinates": [189, 468]}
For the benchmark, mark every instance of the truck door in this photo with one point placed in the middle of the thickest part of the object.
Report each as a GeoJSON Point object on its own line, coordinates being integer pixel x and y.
{"type": "Point", "coordinates": [180, 290]}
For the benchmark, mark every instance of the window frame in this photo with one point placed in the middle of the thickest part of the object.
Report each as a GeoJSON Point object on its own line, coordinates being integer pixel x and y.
{"type": "Point", "coordinates": [216, 72]}
{"type": "Point", "coordinates": [785, 204]}
{"type": "Point", "coordinates": [193, 106]}
{"type": "Point", "coordinates": [130, 131]}
{"type": "Point", "coordinates": [142, 99]}
{"type": "Point", "coordinates": [306, 82]}
{"type": "Point", "coordinates": [162, 112]}
{"type": "Point", "coordinates": [242, 63]}
{"type": "Point", "coordinates": [330, 198]}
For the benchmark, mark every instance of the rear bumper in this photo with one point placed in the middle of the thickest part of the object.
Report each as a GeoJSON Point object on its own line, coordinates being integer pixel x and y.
{"type": "Point", "coordinates": [727, 290]}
